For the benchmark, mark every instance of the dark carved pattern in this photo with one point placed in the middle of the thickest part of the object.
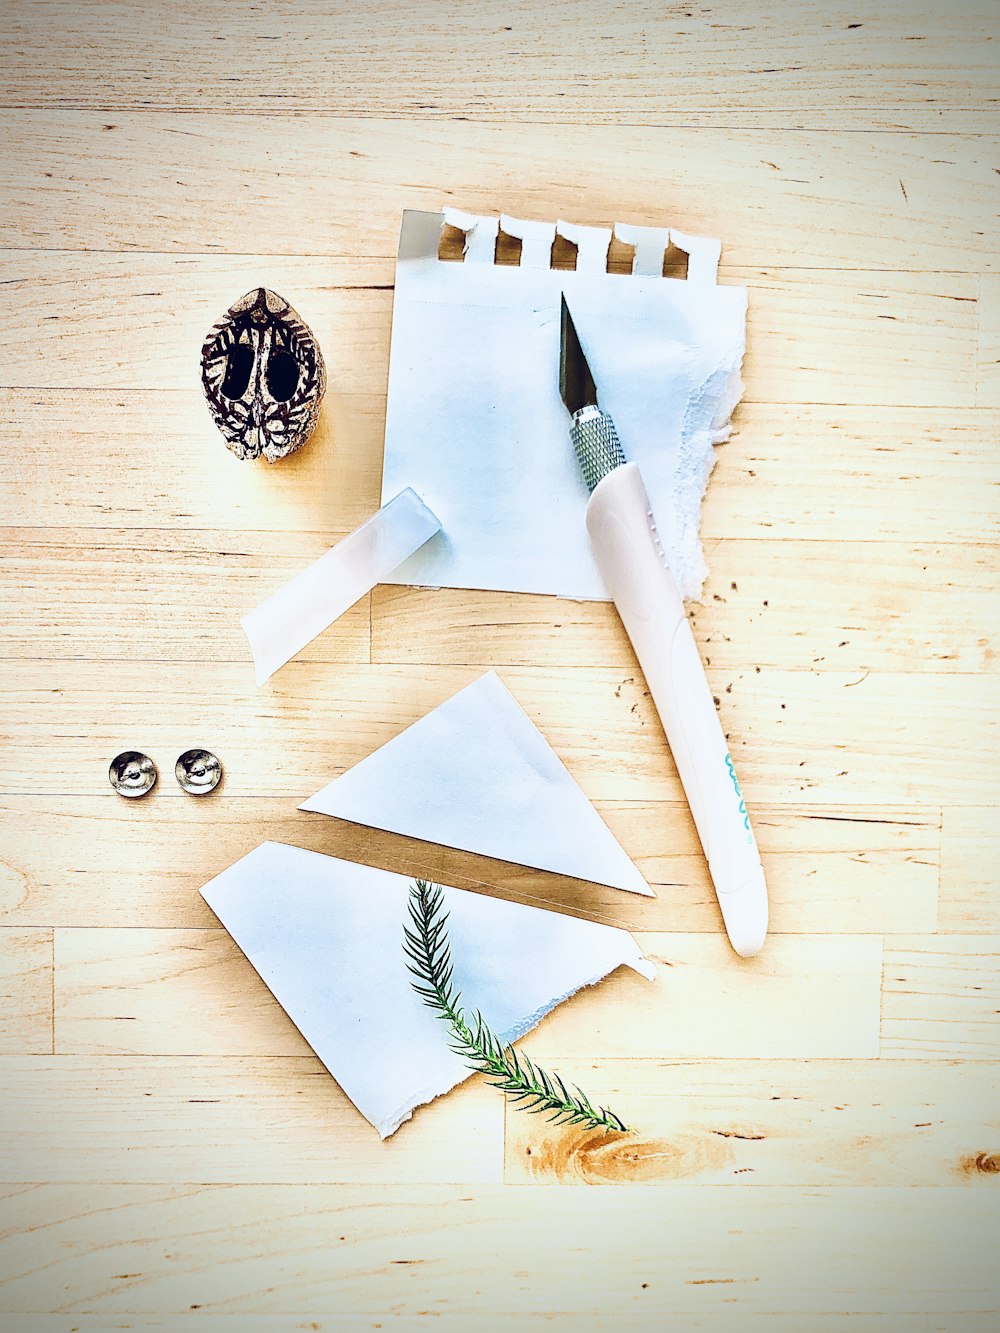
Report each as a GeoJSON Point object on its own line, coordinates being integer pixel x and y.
{"type": "Point", "coordinates": [263, 376]}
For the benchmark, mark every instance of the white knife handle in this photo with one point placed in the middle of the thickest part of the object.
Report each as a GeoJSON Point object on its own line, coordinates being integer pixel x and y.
{"type": "Point", "coordinates": [631, 559]}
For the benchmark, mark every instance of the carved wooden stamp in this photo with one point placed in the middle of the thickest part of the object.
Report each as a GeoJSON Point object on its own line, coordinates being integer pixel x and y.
{"type": "Point", "coordinates": [263, 376]}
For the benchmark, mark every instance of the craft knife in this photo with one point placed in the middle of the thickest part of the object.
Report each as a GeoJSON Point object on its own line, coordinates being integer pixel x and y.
{"type": "Point", "coordinates": [630, 556]}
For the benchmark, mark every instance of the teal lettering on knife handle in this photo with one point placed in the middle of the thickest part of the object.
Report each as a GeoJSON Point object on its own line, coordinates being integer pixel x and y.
{"type": "Point", "coordinates": [736, 785]}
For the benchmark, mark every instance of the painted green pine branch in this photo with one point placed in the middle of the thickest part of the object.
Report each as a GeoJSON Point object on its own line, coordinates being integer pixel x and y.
{"type": "Point", "coordinates": [529, 1087]}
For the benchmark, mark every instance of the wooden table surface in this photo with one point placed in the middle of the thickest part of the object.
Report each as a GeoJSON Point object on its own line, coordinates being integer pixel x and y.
{"type": "Point", "coordinates": [818, 1144]}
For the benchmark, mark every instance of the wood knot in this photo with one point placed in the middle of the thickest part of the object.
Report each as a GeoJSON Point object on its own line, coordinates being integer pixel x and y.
{"type": "Point", "coordinates": [982, 1164]}
{"type": "Point", "coordinates": [598, 1158]}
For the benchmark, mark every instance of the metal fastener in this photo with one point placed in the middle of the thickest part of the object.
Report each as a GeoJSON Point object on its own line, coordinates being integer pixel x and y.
{"type": "Point", "coordinates": [132, 773]}
{"type": "Point", "coordinates": [198, 772]}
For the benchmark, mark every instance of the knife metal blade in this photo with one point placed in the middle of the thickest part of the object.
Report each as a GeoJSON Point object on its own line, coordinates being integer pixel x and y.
{"type": "Point", "coordinates": [576, 383]}
{"type": "Point", "coordinates": [598, 448]}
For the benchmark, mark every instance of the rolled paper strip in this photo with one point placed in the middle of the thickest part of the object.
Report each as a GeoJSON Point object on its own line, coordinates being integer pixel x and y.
{"type": "Point", "coordinates": [310, 602]}
{"type": "Point", "coordinates": [480, 234]}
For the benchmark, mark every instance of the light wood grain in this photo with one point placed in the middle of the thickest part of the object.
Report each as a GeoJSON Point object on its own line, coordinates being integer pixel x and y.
{"type": "Point", "coordinates": [716, 1321]}
{"type": "Point", "coordinates": [60, 864]}
{"type": "Point", "coordinates": [927, 324]}
{"type": "Point", "coordinates": [250, 1120]}
{"type": "Point", "coordinates": [257, 1120]}
{"type": "Point", "coordinates": [26, 978]}
{"type": "Point", "coordinates": [805, 998]}
{"type": "Point", "coordinates": [164, 992]}
{"type": "Point", "coordinates": [180, 598]}
{"type": "Point", "coordinates": [170, 597]}
{"type": "Point", "coordinates": [828, 870]}
{"type": "Point", "coordinates": [647, 64]}
{"type": "Point", "coordinates": [787, 731]}
{"type": "Point", "coordinates": [970, 870]}
{"type": "Point", "coordinates": [941, 997]}
{"type": "Point", "coordinates": [825, 474]}
{"type": "Point", "coordinates": [805, 1123]}
{"type": "Point", "coordinates": [838, 871]}
{"type": "Point", "coordinates": [845, 201]}
{"type": "Point", "coordinates": [819, 1125]}
{"type": "Point", "coordinates": [312, 1250]}
{"type": "Point", "coordinates": [101, 459]}
{"type": "Point", "coordinates": [832, 474]}
{"type": "Point", "coordinates": [191, 992]}
{"type": "Point", "coordinates": [988, 376]}
{"type": "Point", "coordinates": [898, 606]}
{"type": "Point", "coordinates": [167, 303]}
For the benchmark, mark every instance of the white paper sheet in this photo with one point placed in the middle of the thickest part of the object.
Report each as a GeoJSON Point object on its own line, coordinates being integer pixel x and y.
{"type": "Point", "coordinates": [311, 601]}
{"type": "Point", "coordinates": [476, 773]}
{"type": "Point", "coordinates": [475, 422]}
{"type": "Point", "coordinates": [327, 938]}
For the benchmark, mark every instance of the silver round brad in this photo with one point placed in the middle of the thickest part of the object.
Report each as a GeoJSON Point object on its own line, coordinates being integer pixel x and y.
{"type": "Point", "coordinates": [198, 772]}
{"type": "Point", "coordinates": [132, 773]}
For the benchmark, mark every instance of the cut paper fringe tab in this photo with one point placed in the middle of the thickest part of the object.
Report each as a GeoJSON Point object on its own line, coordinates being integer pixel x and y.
{"type": "Point", "coordinates": [474, 419]}
{"type": "Point", "coordinates": [326, 936]}
{"type": "Point", "coordinates": [477, 774]}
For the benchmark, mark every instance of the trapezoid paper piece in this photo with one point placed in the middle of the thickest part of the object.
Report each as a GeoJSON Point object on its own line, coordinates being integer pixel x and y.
{"type": "Point", "coordinates": [326, 936]}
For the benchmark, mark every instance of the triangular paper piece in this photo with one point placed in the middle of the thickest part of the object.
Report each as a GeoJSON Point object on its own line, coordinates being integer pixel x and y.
{"type": "Point", "coordinates": [327, 937]}
{"type": "Point", "coordinates": [477, 774]}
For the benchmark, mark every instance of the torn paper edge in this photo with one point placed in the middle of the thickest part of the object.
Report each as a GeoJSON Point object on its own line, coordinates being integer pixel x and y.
{"type": "Point", "coordinates": [622, 951]}
{"type": "Point", "coordinates": [311, 601]}
{"type": "Point", "coordinates": [424, 1096]}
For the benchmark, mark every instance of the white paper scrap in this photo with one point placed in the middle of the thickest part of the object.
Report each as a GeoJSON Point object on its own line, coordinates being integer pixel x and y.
{"type": "Point", "coordinates": [477, 774]}
{"type": "Point", "coordinates": [327, 938]}
{"type": "Point", "coordinates": [475, 422]}
{"type": "Point", "coordinates": [314, 598]}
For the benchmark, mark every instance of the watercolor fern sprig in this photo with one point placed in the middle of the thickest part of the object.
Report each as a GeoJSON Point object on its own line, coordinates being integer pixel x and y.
{"type": "Point", "coordinates": [529, 1087]}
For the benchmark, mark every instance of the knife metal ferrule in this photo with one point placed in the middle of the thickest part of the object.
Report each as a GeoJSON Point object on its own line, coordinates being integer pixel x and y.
{"type": "Point", "coordinates": [598, 448]}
